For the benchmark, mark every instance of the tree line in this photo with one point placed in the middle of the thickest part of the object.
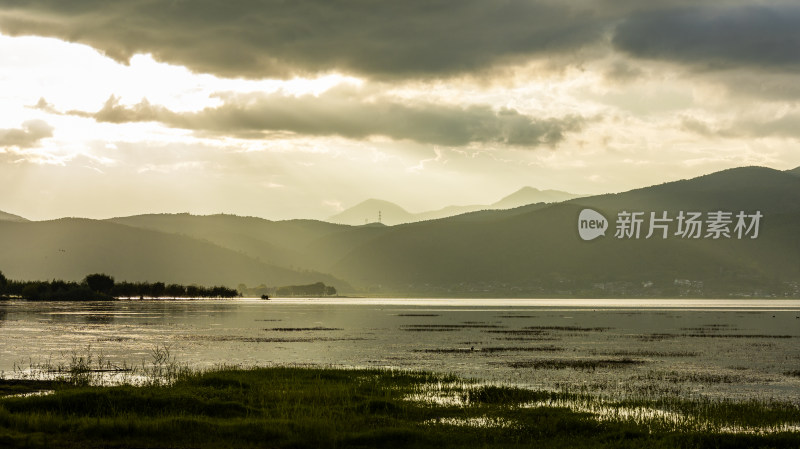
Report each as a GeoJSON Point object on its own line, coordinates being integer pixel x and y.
{"type": "Point", "coordinates": [317, 289]}
{"type": "Point", "coordinates": [99, 287]}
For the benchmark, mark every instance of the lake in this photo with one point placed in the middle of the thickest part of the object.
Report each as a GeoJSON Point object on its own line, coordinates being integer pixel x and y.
{"type": "Point", "coordinates": [737, 349]}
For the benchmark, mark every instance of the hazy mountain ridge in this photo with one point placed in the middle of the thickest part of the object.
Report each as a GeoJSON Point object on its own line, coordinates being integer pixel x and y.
{"type": "Point", "coordinates": [531, 250]}
{"type": "Point", "coordinates": [391, 214]}
{"type": "Point", "coordinates": [744, 188]}
{"type": "Point", "coordinates": [71, 248]}
{"type": "Point", "coordinates": [284, 242]}
{"type": "Point", "coordinates": [5, 216]}
{"type": "Point", "coordinates": [532, 247]}
{"type": "Point", "coordinates": [529, 195]}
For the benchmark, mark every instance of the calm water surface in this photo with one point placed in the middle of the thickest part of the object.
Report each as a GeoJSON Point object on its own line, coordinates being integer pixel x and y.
{"type": "Point", "coordinates": [718, 348]}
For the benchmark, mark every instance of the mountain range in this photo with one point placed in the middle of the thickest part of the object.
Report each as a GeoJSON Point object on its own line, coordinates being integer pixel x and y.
{"type": "Point", "coordinates": [388, 213]}
{"type": "Point", "coordinates": [531, 250]}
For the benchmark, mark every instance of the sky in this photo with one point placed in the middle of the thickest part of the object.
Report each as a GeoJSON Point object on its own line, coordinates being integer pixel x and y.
{"type": "Point", "coordinates": [300, 109]}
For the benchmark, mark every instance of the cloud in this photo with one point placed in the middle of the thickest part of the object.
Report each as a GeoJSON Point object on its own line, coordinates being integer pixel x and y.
{"type": "Point", "coordinates": [276, 38]}
{"type": "Point", "coordinates": [113, 112]}
{"type": "Point", "coordinates": [784, 126]}
{"type": "Point", "coordinates": [43, 105]}
{"type": "Point", "coordinates": [351, 113]}
{"type": "Point", "coordinates": [756, 37]}
{"type": "Point", "coordinates": [28, 136]}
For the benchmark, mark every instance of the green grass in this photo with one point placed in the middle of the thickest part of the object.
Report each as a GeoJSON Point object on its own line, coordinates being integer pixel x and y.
{"type": "Point", "coordinates": [287, 407]}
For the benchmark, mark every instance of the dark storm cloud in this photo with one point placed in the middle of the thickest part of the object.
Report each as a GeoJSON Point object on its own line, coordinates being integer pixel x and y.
{"type": "Point", "coordinates": [347, 112]}
{"type": "Point", "coordinates": [761, 37]}
{"type": "Point", "coordinates": [269, 38]}
{"type": "Point", "coordinates": [29, 135]}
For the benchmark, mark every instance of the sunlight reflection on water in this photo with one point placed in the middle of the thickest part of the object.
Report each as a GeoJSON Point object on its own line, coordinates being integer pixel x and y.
{"type": "Point", "coordinates": [712, 348]}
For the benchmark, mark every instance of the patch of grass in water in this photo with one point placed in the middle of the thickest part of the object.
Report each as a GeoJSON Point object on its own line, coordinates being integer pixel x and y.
{"type": "Point", "coordinates": [705, 335]}
{"type": "Point", "coordinates": [568, 328]}
{"type": "Point", "coordinates": [578, 364]}
{"type": "Point", "coordinates": [517, 332]}
{"type": "Point", "coordinates": [303, 329]}
{"type": "Point", "coordinates": [529, 338]}
{"type": "Point", "coordinates": [243, 339]}
{"type": "Point", "coordinates": [491, 349]}
{"type": "Point", "coordinates": [656, 337]}
{"type": "Point", "coordinates": [649, 353]}
{"type": "Point", "coordinates": [451, 326]}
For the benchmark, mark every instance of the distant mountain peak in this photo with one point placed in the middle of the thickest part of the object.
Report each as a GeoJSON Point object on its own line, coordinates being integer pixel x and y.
{"type": "Point", "coordinates": [373, 211]}
{"type": "Point", "coordinates": [376, 210]}
{"type": "Point", "coordinates": [529, 195]}
{"type": "Point", "coordinates": [372, 202]}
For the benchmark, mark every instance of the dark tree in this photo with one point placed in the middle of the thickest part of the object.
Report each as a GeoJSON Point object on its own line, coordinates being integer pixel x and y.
{"type": "Point", "coordinates": [3, 283]}
{"type": "Point", "coordinates": [99, 282]}
{"type": "Point", "coordinates": [193, 291]}
{"type": "Point", "coordinates": [157, 290]}
{"type": "Point", "coordinates": [175, 291]}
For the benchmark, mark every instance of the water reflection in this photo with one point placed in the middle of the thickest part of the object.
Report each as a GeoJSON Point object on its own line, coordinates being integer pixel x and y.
{"type": "Point", "coordinates": [621, 347]}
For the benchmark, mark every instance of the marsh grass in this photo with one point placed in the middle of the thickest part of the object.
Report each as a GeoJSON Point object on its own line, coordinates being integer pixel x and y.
{"type": "Point", "coordinates": [491, 349]}
{"type": "Point", "coordinates": [567, 328]}
{"type": "Point", "coordinates": [709, 333]}
{"type": "Point", "coordinates": [517, 331]}
{"type": "Point", "coordinates": [290, 407]}
{"type": "Point", "coordinates": [472, 325]}
{"type": "Point", "coordinates": [528, 338]}
{"type": "Point", "coordinates": [646, 353]}
{"type": "Point", "coordinates": [656, 337]}
{"type": "Point", "coordinates": [243, 339]}
{"type": "Point", "coordinates": [577, 364]}
{"type": "Point", "coordinates": [715, 335]}
{"type": "Point", "coordinates": [696, 377]}
{"type": "Point", "coordinates": [87, 368]}
{"type": "Point", "coordinates": [162, 403]}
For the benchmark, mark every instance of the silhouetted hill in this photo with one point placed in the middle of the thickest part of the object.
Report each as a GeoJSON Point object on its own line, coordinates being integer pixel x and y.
{"type": "Point", "coordinates": [746, 188]}
{"type": "Point", "coordinates": [795, 171]}
{"type": "Point", "coordinates": [70, 248]}
{"type": "Point", "coordinates": [536, 250]}
{"type": "Point", "coordinates": [5, 216]}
